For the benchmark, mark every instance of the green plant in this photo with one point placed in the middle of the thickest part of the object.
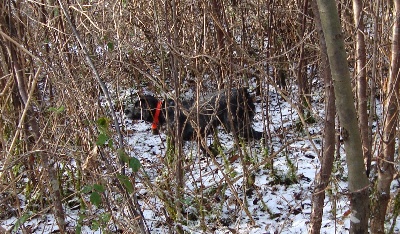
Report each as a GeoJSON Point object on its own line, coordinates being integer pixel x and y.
{"type": "Point", "coordinates": [95, 192]}
{"type": "Point", "coordinates": [396, 211]}
{"type": "Point", "coordinates": [291, 174]}
{"type": "Point", "coordinates": [79, 222]}
{"type": "Point", "coordinates": [170, 152]}
{"type": "Point", "coordinates": [101, 221]}
{"type": "Point", "coordinates": [104, 135]}
{"type": "Point", "coordinates": [104, 139]}
{"type": "Point", "coordinates": [21, 220]}
{"type": "Point", "coordinates": [289, 177]}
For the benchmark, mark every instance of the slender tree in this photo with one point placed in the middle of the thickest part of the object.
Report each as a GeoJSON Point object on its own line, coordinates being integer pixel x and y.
{"type": "Point", "coordinates": [176, 78]}
{"type": "Point", "coordinates": [328, 151]}
{"type": "Point", "coordinates": [358, 181]}
{"type": "Point", "coordinates": [135, 210]}
{"type": "Point", "coordinates": [361, 78]}
{"type": "Point", "coordinates": [385, 161]}
{"type": "Point", "coordinates": [18, 64]}
{"type": "Point", "coordinates": [304, 90]}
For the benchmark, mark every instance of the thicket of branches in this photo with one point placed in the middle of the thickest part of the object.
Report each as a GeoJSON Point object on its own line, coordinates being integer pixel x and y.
{"type": "Point", "coordinates": [55, 128]}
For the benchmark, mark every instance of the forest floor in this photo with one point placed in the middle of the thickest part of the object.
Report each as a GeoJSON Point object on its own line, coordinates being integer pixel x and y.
{"type": "Point", "coordinates": [278, 200]}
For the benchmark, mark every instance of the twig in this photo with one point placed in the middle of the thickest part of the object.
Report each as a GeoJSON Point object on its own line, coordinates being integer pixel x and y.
{"type": "Point", "coordinates": [137, 212]}
{"type": "Point", "coordinates": [18, 45]}
{"type": "Point", "coordinates": [96, 75]}
{"type": "Point", "coordinates": [21, 121]}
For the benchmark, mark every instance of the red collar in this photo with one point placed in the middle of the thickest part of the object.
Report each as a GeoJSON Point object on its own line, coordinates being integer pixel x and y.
{"type": "Point", "coordinates": [154, 126]}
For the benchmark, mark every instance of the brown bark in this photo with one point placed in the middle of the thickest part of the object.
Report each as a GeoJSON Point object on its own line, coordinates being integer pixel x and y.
{"type": "Point", "coordinates": [361, 79]}
{"type": "Point", "coordinates": [328, 150]}
{"type": "Point", "coordinates": [136, 211]}
{"type": "Point", "coordinates": [304, 91]}
{"type": "Point", "coordinates": [32, 126]}
{"type": "Point", "coordinates": [179, 157]}
{"type": "Point", "coordinates": [221, 50]}
{"type": "Point", "coordinates": [357, 179]}
{"type": "Point", "coordinates": [374, 73]}
{"type": "Point", "coordinates": [385, 161]}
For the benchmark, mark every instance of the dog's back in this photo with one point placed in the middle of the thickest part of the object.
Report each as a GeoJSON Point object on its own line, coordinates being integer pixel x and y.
{"type": "Point", "coordinates": [232, 109]}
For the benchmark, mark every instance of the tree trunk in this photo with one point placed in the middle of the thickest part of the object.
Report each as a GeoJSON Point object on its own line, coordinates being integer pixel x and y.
{"type": "Point", "coordinates": [361, 79]}
{"type": "Point", "coordinates": [16, 59]}
{"type": "Point", "coordinates": [217, 11]}
{"type": "Point", "coordinates": [304, 90]}
{"type": "Point", "coordinates": [373, 80]}
{"type": "Point", "coordinates": [328, 150]}
{"type": "Point", "coordinates": [358, 181]}
{"type": "Point", "coordinates": [179, 157]}
{"type": "Point", "coordinates": [385, 161]}
{"type": "Point", "coordinates": [136, 210]}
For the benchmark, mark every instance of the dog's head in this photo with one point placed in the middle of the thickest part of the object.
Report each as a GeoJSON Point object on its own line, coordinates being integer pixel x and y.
{"type": "Point", "coordinates": [142, 109]}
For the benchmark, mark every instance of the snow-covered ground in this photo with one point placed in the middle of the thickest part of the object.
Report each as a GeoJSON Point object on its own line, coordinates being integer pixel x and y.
{"type": "Point", "coordinates": [278, 200]}
{"type": "Point", "coordinates": [276, 205]}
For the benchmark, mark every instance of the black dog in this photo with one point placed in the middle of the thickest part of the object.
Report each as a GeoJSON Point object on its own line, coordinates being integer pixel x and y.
{"type": "Point", "coordinates": [233, 111]}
